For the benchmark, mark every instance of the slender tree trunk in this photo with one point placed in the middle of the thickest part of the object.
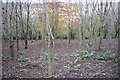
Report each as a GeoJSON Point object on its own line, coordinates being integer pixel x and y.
{"type": "Point", "coordinates": [85, 24]}
{"type": "Point", "coordinates": [69, 24]}
{"type": "Point", "coordinates": [42, 32]}
{"type": "Point", "coordinates": [119, 27]}
{"type": "Point", "coordinates": [49, 40]}
{"type": "Point", "coordinates": [22, 31]}
{"type": "Point", "coordinates": [92, 27]}
{"type": "Point", "coordinates": [17, 41]}
{"type": "Point", "coordinates": [101, 35]}
{"type": "Point", "coordinates": [80, 27]}
{"type": "Point", "coordinates": [53, 32]}
{"type": "Point", "coordinates": [80, 32]}
{"type": "Point", "coordinates": [56, 20]}
{"type": "Point", "coordinates": [11, 34]}
{"type": "Point", "coordinates": [101, 26]}
{"type": "Point", "coordinates": [26, 35]}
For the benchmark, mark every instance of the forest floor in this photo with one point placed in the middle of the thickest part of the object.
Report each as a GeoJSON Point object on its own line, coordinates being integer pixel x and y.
{"type": "Point", "coordinates": [67, 62]}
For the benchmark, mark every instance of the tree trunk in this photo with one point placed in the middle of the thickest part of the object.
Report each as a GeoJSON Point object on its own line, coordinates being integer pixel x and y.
{"type": "Point", "coordinates": [11, 35]}
{"type": "Point", "coordinates": [22, 31]}
{"type": "Point", "coordinates": [48, 29]}
{"type": "Point", "coordinates": [119, 27]}
{"type": "Point", "coordinates": [101, 35]}
{"type": "Point", "coordinates": [69, 24]}
{"type": "Point", "coordinates": [17, 41]}
{"type": "Point", "coordinates": [26, 35]}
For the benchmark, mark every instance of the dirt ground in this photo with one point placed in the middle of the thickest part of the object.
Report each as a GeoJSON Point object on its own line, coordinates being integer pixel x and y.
{"type": "Point", "coordinates": [63, 65]}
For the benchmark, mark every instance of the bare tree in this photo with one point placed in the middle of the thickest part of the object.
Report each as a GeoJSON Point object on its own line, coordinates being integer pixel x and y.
{"type": "Point", "coordinates": [80, 27]}
{"type": "Point", "coordinates": [102, 11]}
{"type": "Point", "coordinates": [56, 19]}
{"type": "Point", "coordinates": [21, 21]}
{"type": "Point", "coordinates": [50, 36]}
{"type": "Point", "coordinates": [119, 26]}
{"type": "Point", "coordinates": [16, 11]}
{"type": "Point", "coordinates": [11, 33]}
{"type": "Point", "coordinates": [43, 31]}
{"type": "Point", "coordinates": [69, 23]}
{"type": "Point", "coordinates": [28, 17]}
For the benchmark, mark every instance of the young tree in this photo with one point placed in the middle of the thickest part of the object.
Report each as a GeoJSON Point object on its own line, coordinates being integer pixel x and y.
{"type": "Point", "coordinates": [43, 31]}
{"type": "Point", "coordinates": [21, 21]}
{"type": "Point", "coordinates": [69, 24]}
{"type": "Point", "coordinates": [80, 27]}
{"type": "Point", "coordinates": [56, 19]}
{"type": "Point", "coordinates": [50, 36]}
{"type": "Point", "coordinates": [28, 17]}
{"type": "Point", "coordinates": [119, 26]}
{"type": "Point", "coordinates": [17, 30]}
{"type": "Point", "coordinates": [11, 32]}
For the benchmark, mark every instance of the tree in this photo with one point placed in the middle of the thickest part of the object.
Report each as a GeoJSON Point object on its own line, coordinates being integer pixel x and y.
{"type": "Point", "coordinates": [69, 23]}
{"type": "Point", "coordinates": [21, 21]}
{"type": "Point", "coordinates": [11, 33]}
{"type": "Point", "coordinates": [102, 11]}
{"type": "Point", "coordinates": [28, 17]}
{"type": "Point", "coordinates": [50, 36]}
{"type": "Point", "coordinates": [56, 19]}
{"type": "Point", "coordinates": [16, 11]}
{"type": "Point", "coordinates": [119, 26]}
{"type": "Point", "coordinates": [80, 27]}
